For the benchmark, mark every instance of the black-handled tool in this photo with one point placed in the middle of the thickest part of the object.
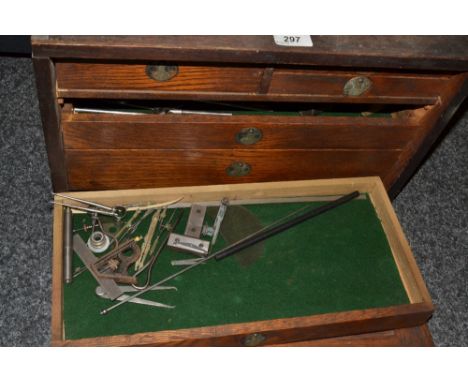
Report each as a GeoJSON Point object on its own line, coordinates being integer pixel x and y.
{"type": "Point", "coordinates": [265, 234]}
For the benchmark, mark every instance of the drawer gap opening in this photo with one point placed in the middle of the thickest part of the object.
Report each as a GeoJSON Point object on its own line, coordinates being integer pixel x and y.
{"type": "Point", "coordinates": [222, 108]}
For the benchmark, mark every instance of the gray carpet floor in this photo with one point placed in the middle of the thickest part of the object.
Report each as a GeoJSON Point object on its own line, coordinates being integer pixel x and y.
{"type": "Point", "coordinates": [432, 209]}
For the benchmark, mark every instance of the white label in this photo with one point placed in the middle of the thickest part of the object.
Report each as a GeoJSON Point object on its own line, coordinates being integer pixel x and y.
{"type": "Point", "coordinates": [291, 40]}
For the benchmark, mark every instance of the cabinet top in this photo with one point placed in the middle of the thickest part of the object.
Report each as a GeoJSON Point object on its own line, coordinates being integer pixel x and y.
{"type": "Point", "coordinates": [446, 53]}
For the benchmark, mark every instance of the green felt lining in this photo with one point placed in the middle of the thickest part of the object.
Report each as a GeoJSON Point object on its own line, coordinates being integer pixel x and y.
{"type": "Point", "coordinates": [336, 262]}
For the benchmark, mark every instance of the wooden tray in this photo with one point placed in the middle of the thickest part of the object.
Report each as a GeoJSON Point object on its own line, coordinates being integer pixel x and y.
{"type": "Point", "coordinates": [266, 332]}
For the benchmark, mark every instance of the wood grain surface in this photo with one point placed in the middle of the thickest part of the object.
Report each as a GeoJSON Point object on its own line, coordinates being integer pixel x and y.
{"type": "Point", "coordinates": [432, 124]}
{"type": "Point", "coordinates": [217, 82]}
{"type": "Point", "coordinates": [122, 77]}
{"type": "Point", "coordinates": [117, 169]}
{"type": "Point", "coordinates": [386, 87]}
{"type": "Point", "coordinates": [280, 331]}
{"type": "Point", "coordinates": [401, 52]}
{"type": "Point", "coordinates": [416, 336]}
{"type": "Point", "coordinates": [45, 83]}
{"type": "Point", "coordinates": [183, 132]}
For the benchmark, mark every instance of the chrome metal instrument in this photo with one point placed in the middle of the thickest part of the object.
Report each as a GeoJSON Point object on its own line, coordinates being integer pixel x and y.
{"type": "Point", "coordinates": [110, 286]}
{"type": "Point", "coordinates": [184, 262]}
{"type": "Point", "coordinates": [98, 242]}
{"type": "Point", "coordinates": [188, 244]}
{"type": "Point", "coordinates": [117, 212]}
{"type": "Point", "coordinates": [214, 231]}
{"type": "Point", "coordinates": [195, 221]}
{"type": "Point", "coordinates": [128, 289]}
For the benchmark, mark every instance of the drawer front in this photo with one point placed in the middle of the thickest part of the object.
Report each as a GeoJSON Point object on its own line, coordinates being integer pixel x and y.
{"type": "Point", "coordinates": [416, 336]}
{"type": "Point", "coordinates": [82, 78]}
{"type": "Point", "coordinates": [119, 169]}
{"type": "Point", "coordinates": [238, 133]}
{"type": "Point", "coordinates": [358, 87]}
{"type": "Point", "coordinates": [110, 80]}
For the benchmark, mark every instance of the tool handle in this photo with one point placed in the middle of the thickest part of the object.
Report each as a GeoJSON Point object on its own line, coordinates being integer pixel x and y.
{"type": "Point", "coordinates": [249, 241]}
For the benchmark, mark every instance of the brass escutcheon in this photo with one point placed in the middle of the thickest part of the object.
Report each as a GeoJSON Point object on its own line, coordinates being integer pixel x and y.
{"type": "Point", "coordinates": [254, 339]}
{"type": "Point", "coordinates": [162, 72]}
{"type": "Point", "coordinates": [249, 136]}
{"type": "Point", "coordinates": [238, 169]}
{"type": "Point", "coordinates": [357, 86]}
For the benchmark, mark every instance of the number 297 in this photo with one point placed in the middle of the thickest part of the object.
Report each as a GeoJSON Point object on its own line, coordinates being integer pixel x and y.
{"type": "Point", "coordinates": [291, 39]}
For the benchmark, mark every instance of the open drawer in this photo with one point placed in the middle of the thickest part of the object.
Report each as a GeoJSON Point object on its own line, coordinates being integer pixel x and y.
{"type": "Point", "coordinates": [347, 272]}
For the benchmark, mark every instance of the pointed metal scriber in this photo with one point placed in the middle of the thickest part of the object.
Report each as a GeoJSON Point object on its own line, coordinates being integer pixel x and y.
{"type": "Point", "coordinates": [136, 300]}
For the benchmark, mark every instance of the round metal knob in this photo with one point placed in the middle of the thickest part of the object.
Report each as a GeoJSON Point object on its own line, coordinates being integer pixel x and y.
{"type": "Point", "coordinates": [357, 86]}
{"type": "Point", "coordinates": [254, 339]}
{"type": "Point", "coordinates": [249, 136]}
{"type": "Point", "coordinates": [238, 169]}
{"type": "Point", "coordinates": [162, 72]}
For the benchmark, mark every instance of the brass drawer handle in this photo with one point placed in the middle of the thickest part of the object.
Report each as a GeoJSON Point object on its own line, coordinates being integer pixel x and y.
{"type": "Point", "coordinates": [238, 169]}
{"type": "Point", "coordinates": [254, 339]}
{"type": "Point", "coordinates": [162, 72]}
{"type": "Point", "coordinates": [357, 86]}
{"type": "Point", "coordinates": [249, 136]}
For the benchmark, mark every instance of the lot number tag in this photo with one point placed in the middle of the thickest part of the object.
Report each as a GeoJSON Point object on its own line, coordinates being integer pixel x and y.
{"type": "Point", "coordinates": [291, 40]}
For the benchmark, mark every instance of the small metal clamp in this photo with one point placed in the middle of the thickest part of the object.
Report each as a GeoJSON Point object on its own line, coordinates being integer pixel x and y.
{"type": "Point", "coordinates": [214, 231]}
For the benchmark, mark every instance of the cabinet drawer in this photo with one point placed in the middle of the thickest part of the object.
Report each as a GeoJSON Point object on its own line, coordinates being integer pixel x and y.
{"type": "Point", "coordinates": [354, 274]}
{"type": "Point", "coordinates": [134, 80]}
{"type": "Point", "coordinates": [120, 169]}
{"type": "Point", "coordinates": [112, 80]}
{"type": "Point", "coordinates": [82, 131]}
{"type": "Point", "coordinates": [372, 87]}
{"type": "Point", "coordinates": [417, 336]}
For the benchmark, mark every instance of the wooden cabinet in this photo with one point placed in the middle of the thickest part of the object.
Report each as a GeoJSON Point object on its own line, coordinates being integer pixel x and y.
{"type": "Point", "coordinates": [134, 112]}
{"type": "Point", "coordinates": [354, 105]}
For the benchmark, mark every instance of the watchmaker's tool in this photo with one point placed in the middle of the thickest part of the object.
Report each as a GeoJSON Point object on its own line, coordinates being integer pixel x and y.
{"type": "Point", "coordinates": [67, 245]}
{"type": "Point", "coordinates": [128, 230]}
{"type": "Point", "coordinates": [154, 111]}
{"type": "Point", "coordinates": [110, 287]}
{"type": "Point", "coordinates": [195, 221]}
{"type": "Point", "coordinates": [190, 241]}
{"type": "Point", "coordinates": [148, 239]}
{"type": "Point", "coordinates": [166, 227]}
{"type": "Point", "coordinates": [128, 224]}
{"type": "Point", "coordinates": [256, 237]}
{"type": "Point", "coordinates": [115, 264]}
{"type": "Point", "coordinates": [126, 289]}
{"type": "Point", "coordinates": [188, 244]}
{"type": "Point", "coordinates": [85, 227]}
{"type": "Point", "coordinates": [98, 242]}
{"type": "Point", "coordinates": [136, 219]}
{"type": "Point", "coordinates": [154, 205]}
{"type": "Point", "coordinates": [196, 112]}
{"type": "Point", "coordinates": [214, 231]}
{"type": "Point", "coordinates": [117, 212]}
{"type": "Point", "coordinates": [169, 227]}
{"type": "Point", "coordinates": [184, 262]}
